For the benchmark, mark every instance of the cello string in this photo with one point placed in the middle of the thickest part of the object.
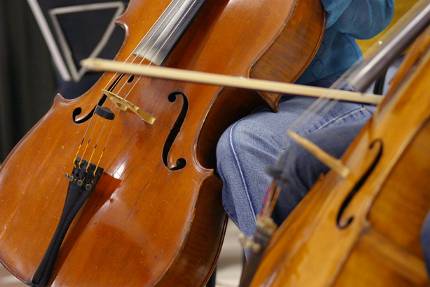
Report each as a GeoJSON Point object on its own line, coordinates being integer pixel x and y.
{"type": "Point", "coordinates": [143, 58]}
{"type": "Point", "coordinates": [140, 77]}
{"type": "Point", "coordinates": [154, 34]}
{"type": "Point", "coordinates": [137, 80]}
{"type": "Point", "coordinates": [133, 53]}
{"type": "Point", "coordinates": [82, 142]}
{"type": "Point", "coordinates": [159, 50]}
{"type": "Point", "coordinates": [118, 77]}
{"type": "Point", "coordinates": [95, 148]}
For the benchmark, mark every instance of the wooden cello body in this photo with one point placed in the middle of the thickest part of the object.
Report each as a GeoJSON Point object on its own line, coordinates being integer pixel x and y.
{"type": "Point", "coordinates": [364, 230]}
{"type": "Point", "coordinates": [154, 216]}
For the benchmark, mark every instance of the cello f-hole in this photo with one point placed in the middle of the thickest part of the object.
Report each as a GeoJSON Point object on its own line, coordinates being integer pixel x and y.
{"type": "Point", "coordinates": [344, 223]}
{"type": "Point", "coordinates": [181, 162]}
{"type": "Point", "coordinates": [76, 112]}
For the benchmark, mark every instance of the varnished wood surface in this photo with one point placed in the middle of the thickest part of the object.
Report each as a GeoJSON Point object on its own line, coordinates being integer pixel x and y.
{"type": "Point", "coordinates": [145, 225]}
{"type": "Point", "coordinates": [228, 267]}
{"type": "Point", "coordinates": [380, 246]}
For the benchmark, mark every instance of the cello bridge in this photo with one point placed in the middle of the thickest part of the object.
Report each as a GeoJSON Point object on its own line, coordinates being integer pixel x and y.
{"type": "Point", "coordinates": [127, 106]}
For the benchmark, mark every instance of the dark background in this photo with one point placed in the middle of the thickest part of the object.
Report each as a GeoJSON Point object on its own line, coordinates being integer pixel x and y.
{"type": "Point", "coordinates": [27, 76]}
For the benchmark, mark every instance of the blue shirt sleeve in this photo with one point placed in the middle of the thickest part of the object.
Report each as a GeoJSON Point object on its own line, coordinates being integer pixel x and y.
{"type": "Point", "coordinates": [346, 21]}
{"type": "Point", "coordinates": [361, 19]}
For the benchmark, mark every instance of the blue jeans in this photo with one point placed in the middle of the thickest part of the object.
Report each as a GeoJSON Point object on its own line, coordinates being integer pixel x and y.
{"type": "Point", "coordinates": [298, 170]}
{"type": "Point", "coordinates": [255, 142]}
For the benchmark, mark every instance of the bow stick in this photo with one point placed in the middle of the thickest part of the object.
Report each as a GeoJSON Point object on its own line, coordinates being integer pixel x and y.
{"type": "Point", "coordinates": [228, 81]}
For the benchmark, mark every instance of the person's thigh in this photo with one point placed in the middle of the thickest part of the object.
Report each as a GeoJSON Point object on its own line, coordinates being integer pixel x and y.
{"type": "Point", "coordinates": [252, 144]}
{"type": "Point", "coordinates": [298, 170]}
{"type": "Point", "coordinates": [243, 152]}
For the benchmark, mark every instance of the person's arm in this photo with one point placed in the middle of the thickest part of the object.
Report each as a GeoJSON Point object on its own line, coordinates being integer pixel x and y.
{"type": "Point", "coordinates": [359, 18]}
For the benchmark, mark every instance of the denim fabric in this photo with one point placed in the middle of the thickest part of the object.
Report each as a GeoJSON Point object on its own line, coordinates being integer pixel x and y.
{"type": "Point", "coordinates": [425, 241]}
{"type": "Point", "coordinates": [300, 170]}
{"type": "Point", "coordinates": [255, 142]}
{"type": "Point", "coordinates": [347, 20]}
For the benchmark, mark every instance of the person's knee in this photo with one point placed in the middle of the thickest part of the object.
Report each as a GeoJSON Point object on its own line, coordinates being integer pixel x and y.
{"type": "Point", "coordinates": [242, 137]}
{"type": "Point", "coordinates": [242, 156]}
{"type": "Point", "coordinates": [289, 177]}
{"type": "Point", "coordinates": [225, 142]}
{"type": "Point", "coordinates": [230, 157]}
{"type": "Point", "coordinates": [230, 142]}
{"type": "Point", "coordinates": [223, 149]}
{"type": "Point", "coordinates": [299, 168]}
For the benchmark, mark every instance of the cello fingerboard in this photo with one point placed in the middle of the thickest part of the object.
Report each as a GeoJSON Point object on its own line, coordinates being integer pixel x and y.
{"type": "Point", "coordinates": [161, 39]}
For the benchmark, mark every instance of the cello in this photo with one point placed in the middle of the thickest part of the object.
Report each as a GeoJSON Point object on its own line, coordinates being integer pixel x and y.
{"type": "Point", "coordinates": [116, 187]}
{"type": "Point", "coordinates": [363, 228]}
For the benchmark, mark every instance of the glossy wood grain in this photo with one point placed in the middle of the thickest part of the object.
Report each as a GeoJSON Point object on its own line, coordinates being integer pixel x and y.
{"type": "Point", "coordinates": [381, 244]}
{"type": "Point", "coordinates": [147, 225]}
